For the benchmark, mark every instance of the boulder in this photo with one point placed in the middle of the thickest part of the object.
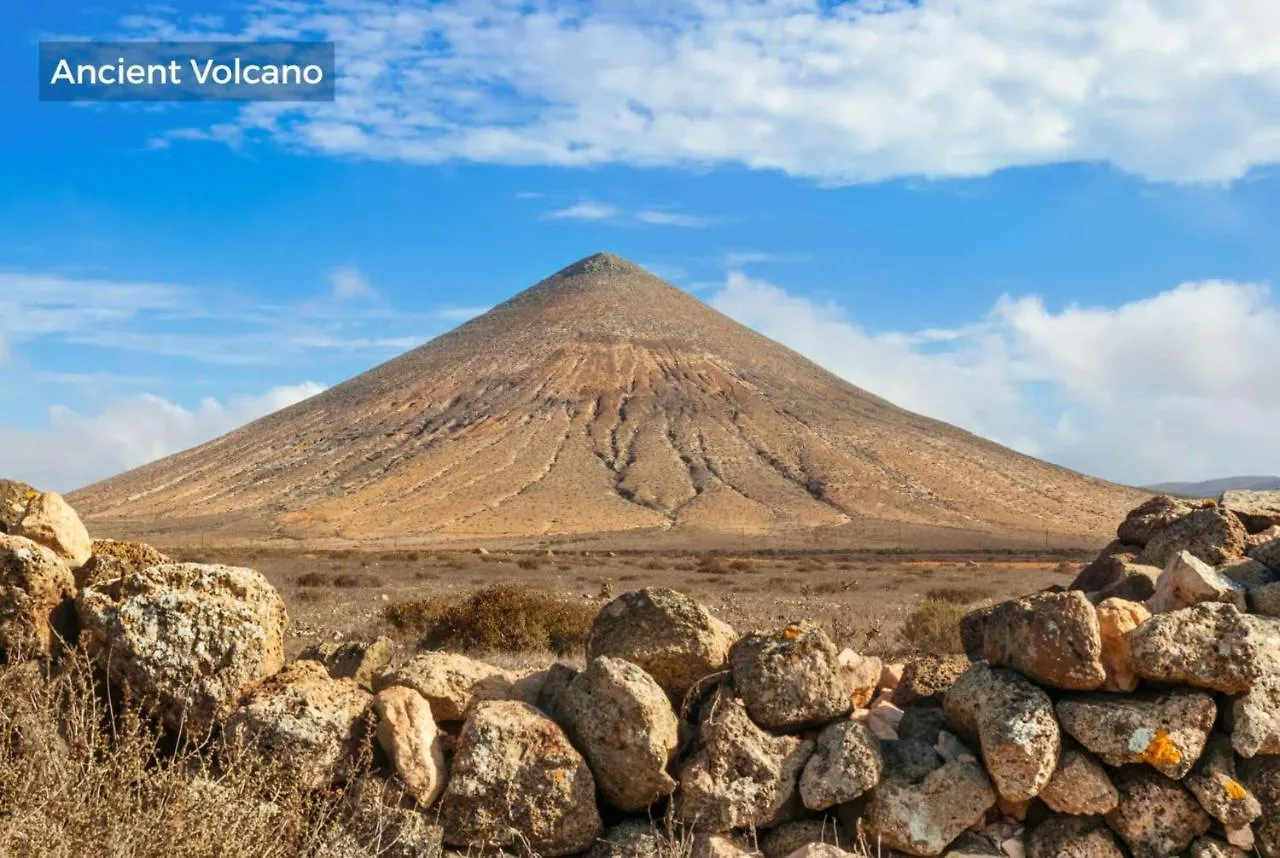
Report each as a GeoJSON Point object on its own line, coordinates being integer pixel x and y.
{"type": "Point", "coordinates": [973, 632]}
{"type": "Point", "coordinates": [974, 845]}
{"type": "Point", "coordinates": [790, 680]}
{"type": "Point", "coordinates": [1261, 776]}
{"type": "Point", "coordinates": [1051, 637]}
{"type": "Point", "coordinates": [1211, 535]}
{"type": "Point", "coordinates": [1247, 572]}
{"type": "Point", "coordinates": [1080, 786]}
{"type": "Point", "coordinates": [303, 722]}
{"type": "Point", "coordinates": [14, 497]}
{"type": "Point", "coordinates": [112, 558]}
{"type": "Point", "coordinates": [1267, 553]}
{"type": "Point", "coordinates": [922, 818]}
{"type": "Point", "coordinates": [1135, 583]}
{"type": "Point", "coordinates": [35, 592]}
{"type": "Point", "coordinates": [861, 676]}
{"type": "Point", "coordinates": [1012, 722]}
{"type": "Point", "coordinates": [1105, 569]}
{"type": "Point", "coordinates": [408, 735]}
{"type": "Point", "coordinates": [1257, 511]}
{"type": "Point", "coordinates": [1210, 645]}
{"type": "Point", "coordinates": [820, 850]}
{"type": "Point", "coordinates": [451, 682]}
{"type": "Point", "coordinates": [517, 781]}
{"type": "Point", "coordinates": [1166, 731]}
{"type": "Point", "coordinates": [189, 640]}
{"type": "Point", "coordinates": [51, 522]}
{"type": "Point", "coordinates": [910, 760]}
{"type": "Point", "coordinates": [1265, 600]}
{"type": "Point", "coordinates": [925, 723]}
{"type": "Point", "coordinates": [925, 680]}
{"type": "Point", "coordinates": [359, 661]}
{"type": "Point", "coordinates": [740, 776]}
{"type": "Point", "coordinates": [1188, 580]}
{"type": "Point", "coordinates": [845, 764]}
{"type": "Point", "coordinates": [672, 637]}
{"type": "Point", "coordinates": [882, 718]}
{"type": "Point", "coordinates": [789, 837]}
{"type": "Point", "coordinates": [553, 687]}
{"type": "Point", "coordinates": [1116, 618]}
{"type": "Point", "coordinates": [1212, 847]}
{"type": "Point", "coordinates": [623, 723]}
{"type": "Point", "coordinates": [1148, 520]}
{"type": "Point", "coordinates": [1256, 716]}
{"type": "Point", "coordinates": [1212, 780]}
{"type": "Point", "coordinates": [1156, 817]}
{"type": "Point", "coordinates": [1073, 837]}
{"type": "Point", "coordinates": [720, 846]}
{"type": "Point", "coordinates": [629, 839]}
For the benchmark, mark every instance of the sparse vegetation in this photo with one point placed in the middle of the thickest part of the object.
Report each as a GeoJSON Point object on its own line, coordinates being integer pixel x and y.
{"type": "Point", "coordinates": [933, 627]}
{"type": "Point", "coordinates": [959, 595]}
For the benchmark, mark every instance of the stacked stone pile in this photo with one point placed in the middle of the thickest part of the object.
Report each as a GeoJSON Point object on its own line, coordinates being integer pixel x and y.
{"type": "Point", "coordinates": [1136, 713]}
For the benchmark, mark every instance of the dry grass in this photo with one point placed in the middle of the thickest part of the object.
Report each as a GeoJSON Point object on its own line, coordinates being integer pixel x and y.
{"type": "Point", "coordinates": [933, 627]}
{"type": "Point", "coordinates": [959, 595]}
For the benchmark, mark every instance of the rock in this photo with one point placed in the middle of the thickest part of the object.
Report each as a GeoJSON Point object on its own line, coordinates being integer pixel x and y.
{"type": "Point", "coordinates": [1212, 847]}
{"type": "Point", "coordinates": [1241, 838]}
{"type": "Point", "coordinates": [51, 522]}
{"type": "Point", "coordinates": [1256, 716]}
{"type": "Point", "coordinates": [925, 723]}
{"type": "Point", "coordinates": [408, 735]}
{"type": "Point", "coordinates": [1145, 522]}
{"type": "Point", "coordinates": [623, 723]}
{"type": "Point", "coordinates": [820, 850]}
{"type": "Point", "coordinates": [377, 821]}
{"type": "Point", "coordinates": [740, 776]}
{"type": "Point", "coordinates": [720, 846]}
{"type": "Point", "coordinates": [926, 679]}
{"type": "Point", "coordinates": [972, 845]}
{"type": "Point", "coordinates": [1211, 535]}
{"type": "Point", "coordinates": [1105, 570]}
{"type": "Point", "coordinates": [672, 637]}
{"type": "Point", "coordinates": [891, 675]}
{"type": "Point", "coordinates": [845, 764]}
{"type": "Point", "coordinates": [629, 839]}
{"type": "Point", "coordinates": [951, 748]}
{"type": "Point", "coordinates": [1073, 837]}
{"type": "Point", "coordinates": [35, 589]}
{"type": "Point", "coordinates": [1265, 600]}
{"type": "Point", "coordinates": [1210, 645]}
{"type": "Point", "coordinates": [1134, 583]}
{"type": "Point", "coordinates": [517, 781]}
{"type": "Point", "coordinates": [1116, 618]}
{"type": "Point", "coordinates": [1261, 776]}
{"type": "Point", "coordinates": [973, 632]}
{"type": "Point", "coordinates": [883, 719]}
{"type": "Point", "coordinates": [1267, 553]}
{"type": "Point", "coordinates": [1187, 580]}
{"type": "Point", "coordinates": [790, 680]}
{"type": "Point", "coordinates": [302, 721]}
{"type": "Point", "coordinates": [1257, 511]}
{"type": "Point", "coordinates": [909, 759]}
{"type": "Point", "coordinates": [790, 837]}
{"type": "Point", "coordinates": [1156, 817]}
{"type": "Point", "coordinates": [1166, 731]}
{"type": "Point", "coordinates": [922, 818]}
{"type": "Point", "coordinates": [451, 682]}
{"type": "Point", "coordinates": [1080, 786]}
{"type": "Point", "coordinates": [187, 639]}
{"type": "Point", "coordinates": [1247, 572]}
{"type": "Point", "coordinates": [14, 497]}
{"type": "Point", "coordinates": [112, 558]}
{"type": "Point", "coordinates": [861, 676]}
{"type": "Point", "coordinates": [359, 661]}
{"type": "Point", "coordinates": [553, 687]}
{"type": "Point", "coordinates": [1012, 723]}
{"type": "Point", "coordinates": [1214, 783]}
{"type": "Point", "coordinates": [1053, 638]}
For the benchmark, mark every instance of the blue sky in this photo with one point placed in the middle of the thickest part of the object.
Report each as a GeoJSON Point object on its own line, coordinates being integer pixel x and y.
{"type": "Point", "coordinates": [1051, 223]}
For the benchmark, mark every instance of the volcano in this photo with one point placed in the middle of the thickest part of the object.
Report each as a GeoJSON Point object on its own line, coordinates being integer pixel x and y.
{"type": "Point", "coordinates": [601, 400]}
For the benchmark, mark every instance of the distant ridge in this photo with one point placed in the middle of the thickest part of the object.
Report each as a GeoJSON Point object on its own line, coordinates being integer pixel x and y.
{"type": "Point", "coordinates": [600, 400]}
{"type": "Point", "coordinates": [1214, 488]}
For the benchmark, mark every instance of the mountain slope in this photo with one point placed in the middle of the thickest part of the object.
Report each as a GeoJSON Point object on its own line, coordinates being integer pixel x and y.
{"type": "Point", "coordinates": [602, 399]}
{"type": "Point", "coordinates": [1214, 488]}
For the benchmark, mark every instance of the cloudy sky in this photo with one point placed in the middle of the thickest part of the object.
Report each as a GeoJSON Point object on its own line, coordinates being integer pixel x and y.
{"type": "Point", "coordinates": [1052, 222]}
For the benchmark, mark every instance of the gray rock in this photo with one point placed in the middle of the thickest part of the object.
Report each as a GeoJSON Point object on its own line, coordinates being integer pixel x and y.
{"type": "Point", "coordinates": [1247, 572]}
{"type": "Point", "coordinates": [791, 679]}
{"type": "Point", "coordinates": [1053, 638]}
{"type": "Point", "coordinates": [924, 817]}
{"type": "Point", "coordinates": [1256, 715]}
{"type": "Point", "coordinates": [35, 592]}
{"type": "Point", "coordinates": [1261, 776]}
{"type": "Point", "coordinates": [1073, 837]}
{"type": "Point", "coordinates": [1210, 645]}
{"type": "Point", "coordinates": [846, 762]}
{"type": "Point", "coordinates": [1214, 783]}
{"type": "Point", "coordinates": [1267, 553]}
{"type": "Point", "coordinates": [1105, 569]}
{"type": "Point", "coordinates": [553, 687]}
{"type": "Point", "coordinates": [1212, 847]}
{"type": "Point", "coordinates": [629, 839]}
{"type": "Point", "coordinates": [1080, 786]}
{"type": "Point", "coordinates": [1156, 817]}
{"type": "Point", "coordinates": [1212, 535]}
{"type": "Point", "coordinates": [1148, 520]}
{"type": "Point", "coordinates": [1166, 731]}
{"type": "Point", "coordinates": [909, 759]}
{"type": "Point", "coordinates": [359, 661]}
{"type": "Point", "coordinates": [925, 680]}
{"type": "Point", "coordinates": [790, 837]}
{"type": "Point", "coordinates": [923, 723]}
{"type": "Point", "coordinates": [1257, 511]}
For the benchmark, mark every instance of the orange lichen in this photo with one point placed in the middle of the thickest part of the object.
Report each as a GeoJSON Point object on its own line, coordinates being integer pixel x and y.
{"type": "Point", "coordinates": [1162, 750]}
{"type": "Point", "coordinates": [792, 632]}
{"type": "Point", "coordinates": [1234, 790]}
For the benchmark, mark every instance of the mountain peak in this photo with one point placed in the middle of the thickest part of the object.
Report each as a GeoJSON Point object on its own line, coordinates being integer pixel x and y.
{"type": "Point", "coordinates": [600, 263]}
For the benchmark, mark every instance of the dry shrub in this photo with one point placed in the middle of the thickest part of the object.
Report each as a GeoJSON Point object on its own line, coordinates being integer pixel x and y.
{"type": "Point", "coordinates": [655, 565]}
{"type": "Point", "coordinates": [309, 594]}
{"type": "Point", "coordinates": [742, 565]}
{"type": "Point", "coordinates": [933, 627]}
{"type": "Point", "coordinates": [959, 595]}
{"type": "Point", "coordinates": [536, 561]}
{"type": "Point", "coordinates": [314, 579]}
{"type": "Point", "coordinates": [709, 564]}
{"type": "Point", "coordinates": [503, 618]}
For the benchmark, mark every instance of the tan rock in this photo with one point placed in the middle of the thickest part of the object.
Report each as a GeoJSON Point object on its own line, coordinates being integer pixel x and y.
{"type": "Point", "coordinates": [862, 674]}
{"type": "Point", "coordinates": [923, 818]}
{"type": "Point", "coordinates": [1073, 837]}
{"type": "Point", "coordinates": [1104, 570]}
{"type": "Point", "coordinates": [1148, 520]}
{"type": "Point", "coordinates": [189, 640]}
{"type": "Point", "coordinates": [517, 781]}
{"type": "Point", "coordinates": [926, 679]}
{"type": "Point", "coordinates": [409, 737]}
{"type": "Point", "coordinates": [1080, 786]}
{"type": "Point", "coordinates": [1209, 645]}
{"type": "Point", "coordinates": [14, 497]}
{"type": "Point", "coordinates": [891, 675]}
{"type": "Point", "coordinates": [845, 764]}
{"type": "Point", "coordinates": [1187, 580]}
{"type": "Point", "coordinates": [672, 637]}
{"type": "Point", "coordinates": [359, 661]}
{"type": "Point", "coordinates": [1214, 783]}
{"type": "Point", "coordinates": [112, 558]}
{"type": "Point", "coordinates": [820, 850]}
{"type": "Point", "coordinates": [622, 722]}
{"type": "Point", "coordinates": [1261, 776]}
{"type": "Point", "coordinates": [451, 682]}
{"type": "Point", "coordinates": [1265, 600]}
{"type": "Point", "coordinates": [629, 839]}
{"type": "Point", "coordinates": [1267, 553]}
{"type": "Point", "coordinates": [1211, 535]}
{"type": "Point", "coordinates": [51, 522]}
{"type": "Point", "coordinates": [883, 719]}
{"type": "Point", "coordinates": [1166, 731]}
{"type": "Point", "coordinates": [1116, 618]}
{"type": "Point", "coordinates": [1156, 817]}
{"type": "Point", "coordinates": [35, 592]}
{"type": "Point", "coordinates": [1257, 510]}
{"type": "Point", "coordinates": [1247, 572]}
{"type": "Point", "coordinates": [1256, 717]}
{"type": "Point", "coordinates": [720, 846]}
{"type": "Point", "coordinates": [791, 679]}
{"type": "Point", "coordinates": [303, 722]}
{"type": "Point", "coordinates": [789, 837]}
{"type": "Point", "coordinates": [1053, 638]}
{"type": "Point", "coordinates": [1212, 847]}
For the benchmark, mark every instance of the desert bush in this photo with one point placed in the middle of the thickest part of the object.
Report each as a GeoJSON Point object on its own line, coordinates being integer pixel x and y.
{"type": "Point", "coordinates": [314, 579]}
{"type": "Point", "coordinates": [309, 594]}
{"type": "Point", "coordinates": [933, 627]}
{"type": "Point", "coordinates": [742, 565]}
{"type": "Point", "coordinates": [503, 617]}
{"type": "Point", "coordinates": [414, 619]}
{"type": "Point", "coordinates": [709, 564]}
{"type": "Point", "coordinates": [959, 595]}
{"type": "Point", "coordinates": [655, 565]}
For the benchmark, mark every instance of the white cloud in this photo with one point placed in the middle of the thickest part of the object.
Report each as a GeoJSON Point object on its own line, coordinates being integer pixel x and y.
{"type": "Point", "coordinates": [592, 210]}
{"type": "Point", "coordinates": [588, 210]}
{"type": "Point", "coordinates": [77, 449]}
{"type": "Point", "coordinates": [838, 92]}
{"type": "Point", "coordinates": [1177, 386]}
{"type": "Point", "coordinates": [350, 283]}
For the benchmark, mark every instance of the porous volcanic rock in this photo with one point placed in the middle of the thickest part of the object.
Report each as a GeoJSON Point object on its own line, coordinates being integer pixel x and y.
{"type": "Point", "coordinates": [632, 838]}
{"type": "Point", "coordinates": [558, 677]}
{"type": "Point", "coordinates": [922, 818]}
{"type": "Point", "coordinates": [1214, 783]}
{"type": "Point", "coordinates": [740, 776]}
{"type": "Point", "coordinates": [517, 781]}
{"type": "Point", "coordinates": [1256, 715]}
{"type": "Point", "coordinates": [1051, 637]}
{"type": "Point", "coordinates": [1261, 776]}
{"type": "Point", "coordinates": [1187, 580]}
{"type": "Point", "coordinates": [623, 723]}
{"type": "Point", "coordinates": [14, 496]}
{"type": "Point", "coordinates": [1257, 511]}
{"type": "Point", "coordinates": [1167, 731]}
{"type": "Point", "coordinates": [1080, 786]}
{"type": "Point", "coordinates": [408, 735]}
{"type": "Point", "coordinates": [671, 636]}
{"type": "Point", "coordinates": [789, 837]}
{"type": "Point", "coordinates": [926, 679]}
{"type": "Point", "coordinates": [1209, 645]}
{"type": "Point", "coordinates": [1012, 721]}
{"type": "Point", "coordinates": [1248, 573]}
{"type": "Point", "coordinates": [791, 679]}
{"type": "Point", "coordinates": [1116, 618]}
{"type": "Point", "coordinates": [303, 722]}
{"type": "Point", "coordinates": [1265, 600]}
{"type": "Point", "coordinates": [846, 762]}
{"type": "Point", "coordinates": [50, 521]}
{"type": "Point", "coordinates": [112, 558]}
{"type": "Point", "coordinates": [359, 661]}
{"type": "Point", "coordinates": [35, 589]}
{"type": "Point", "coordinates": [1149, 519]}
{"type": "Point", "coordinates": [187, 639]}
{"type": "Point", "coordinates": [1267, 553]}
{"type": "Point", "coordinates": [1105, 569]}
{"type": "Point", "coordinates": [710, 845]}
{"type": "Point", "coordinates": [451, 682]}
{"type": "Point", "coordinates": [1156, 816]}
{"type": "Point", "coordinates": [1212, 535]}
{"type": "Point", "coordinates": [1135, 583]}
{"type": "Point", "coordinates": [1212, 847]}
{"type": "Point", "coordinates": [1073, 837]}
